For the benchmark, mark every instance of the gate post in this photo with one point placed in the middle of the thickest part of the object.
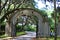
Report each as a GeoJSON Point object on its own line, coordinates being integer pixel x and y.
{"type": "Point", "coordinates": [13, 28]}
{"type": "Point", "coordinates": [40, 29]}
{"type": "Point", "coordinates": [46, 29]}
{"type": "Point", "coordinates": [43, 29]}
{"type": "Point", "coordinates": [58, 29]}
{"type": "Point", "coordinates": [8, 29]}
{"type": "Point", "coordinates": [13, 31]}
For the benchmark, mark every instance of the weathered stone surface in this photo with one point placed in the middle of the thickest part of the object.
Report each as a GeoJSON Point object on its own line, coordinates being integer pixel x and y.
{"type": "Point", "coordinates": [58, 29]}
{"type": "Point", "coordinates": [46, 29]}
{"type": "Point", "coordinates": [8, 29]}
{"type": "Point", "coordinates": [43, 28]}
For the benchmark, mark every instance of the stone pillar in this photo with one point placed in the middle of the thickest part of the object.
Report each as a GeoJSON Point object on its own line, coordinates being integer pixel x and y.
{"type": "Point", "coordinates": [43, 29]}
{"type": "Point", "coordinates": [13, 28]}
{"type": "Point", "coordinates": [58, 29]}
{"type": "Point", "coordinates": [46, 29]}
{"type": "Point", "coordinates": [8, 29]}
{"type": "Point", "coordinates": [40, 28]}
{"type": "Point", "coordinates": [0, 26]}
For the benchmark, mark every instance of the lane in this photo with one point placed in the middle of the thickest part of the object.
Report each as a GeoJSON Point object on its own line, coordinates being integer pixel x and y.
{"type": "Point", "coordinates": [28, 36]}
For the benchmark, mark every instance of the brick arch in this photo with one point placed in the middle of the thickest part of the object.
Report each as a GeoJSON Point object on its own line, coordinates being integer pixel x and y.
{"type": "Point", "coordinates": [27, 12]}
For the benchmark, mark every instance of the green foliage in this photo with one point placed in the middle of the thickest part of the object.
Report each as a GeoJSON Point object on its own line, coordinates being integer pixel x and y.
{"type": "Point", "coordinates": [18, 28]}
{"type": "Point", "coordinates": [31, 4]}
{"type": "Point", "coordinates": [26, 28]}
{"type": "Point", "coordinates": [12, 6]}
{"type": "Point", "coordinates": [30, 28]}
{"type": "Point", "coordinates": [2, 28]}
{"type": "Point", "coordinates": [58, 9]}
{"type": "Point", "coordinates": [20, 33]}
{"type": "Point", "coordinates": [42, 12]}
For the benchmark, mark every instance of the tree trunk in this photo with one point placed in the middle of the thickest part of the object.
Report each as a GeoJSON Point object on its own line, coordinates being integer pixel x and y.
{"type": "Point", "coordinates": [55, 15]}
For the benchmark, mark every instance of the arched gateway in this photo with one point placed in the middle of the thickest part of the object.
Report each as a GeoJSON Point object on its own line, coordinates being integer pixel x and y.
{"type": "Point", "coordinates": [43, 28]}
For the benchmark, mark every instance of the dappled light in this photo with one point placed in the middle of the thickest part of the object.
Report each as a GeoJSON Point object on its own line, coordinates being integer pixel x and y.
{"type": "Point", "coordinates": [29, 19]}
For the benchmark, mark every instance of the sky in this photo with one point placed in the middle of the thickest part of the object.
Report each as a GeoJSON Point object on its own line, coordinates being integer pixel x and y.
{"type": "Point", "coordinates": [41, 4]}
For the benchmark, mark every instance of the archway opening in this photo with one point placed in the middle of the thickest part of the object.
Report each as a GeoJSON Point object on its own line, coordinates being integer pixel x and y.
{"type": "Point", "coordinates": [26, 25]}
{"type": "Point", "coordinates": [42, 28]}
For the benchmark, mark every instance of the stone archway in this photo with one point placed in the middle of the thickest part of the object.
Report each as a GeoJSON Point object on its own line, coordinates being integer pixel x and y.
{"type": "Point", "coordinates": [41, 29]}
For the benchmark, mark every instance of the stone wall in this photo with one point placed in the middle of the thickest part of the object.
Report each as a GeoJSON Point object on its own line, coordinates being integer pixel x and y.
{"type": "Point", "coordinates": [46, 29]}
{"type": "Point", "coordinates": [43, 28]}
{"type": "Point", "coordinates": [58, 29]}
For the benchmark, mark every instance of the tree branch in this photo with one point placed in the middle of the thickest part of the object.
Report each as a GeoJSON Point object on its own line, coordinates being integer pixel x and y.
{"type": "Point", "coordinates": [0, 6]}
{"type": "Point", "coordinates": [8, 6]}
{"type": "Point", "coordinates": [2, 19]}
{"type": "Point", "coordinates": [20, 4]}
{"type": "Point", "coordinates": [9, 12]}
{"type": "Point", "coordinates": [4, 5]}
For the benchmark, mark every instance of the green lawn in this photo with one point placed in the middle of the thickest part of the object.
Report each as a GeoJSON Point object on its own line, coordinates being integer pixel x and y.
{"type": "Point", "coordinates": [17, 34]}
{"type": "Point", "coordinates": [3, 36]}
{"type": "Point", "coordinates": [48, 38]}
{"type": "Point", "coordinates": [20, 33]}
{"type": "Point", "coordinates": [53, 38]}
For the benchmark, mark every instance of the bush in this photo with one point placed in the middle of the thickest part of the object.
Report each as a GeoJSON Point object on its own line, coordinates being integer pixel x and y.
{"type": "Point", "coordinates": [18, 28]}
{"type": "Point", "coordinates": [30, 28]}
{"type": "Point", "coordinates": [2, 27]}
{"type": "Point", "coordinates": [2, 30]}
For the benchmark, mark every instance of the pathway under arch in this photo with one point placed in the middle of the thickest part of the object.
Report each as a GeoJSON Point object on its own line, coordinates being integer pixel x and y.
{"type": "Point", "coordinates": [43, 28]}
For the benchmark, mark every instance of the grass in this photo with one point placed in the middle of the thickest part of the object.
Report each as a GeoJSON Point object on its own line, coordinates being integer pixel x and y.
{"type": "Point", "coordinates": [58, 38]}
{"type": "Point", "coordinates": [20, 33]}
{"type": "Point", "coordinates": [17, 34]}
{"type": "Point", "coordinates": [3, 36]}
